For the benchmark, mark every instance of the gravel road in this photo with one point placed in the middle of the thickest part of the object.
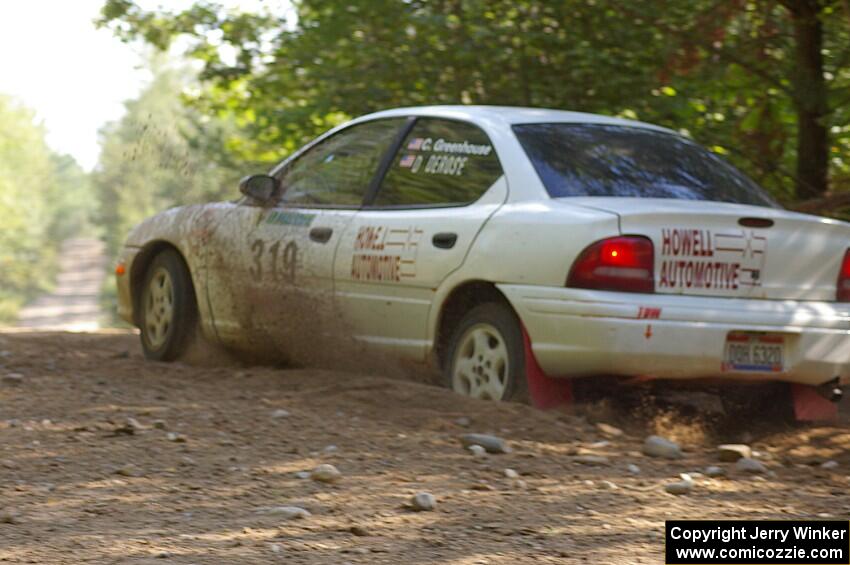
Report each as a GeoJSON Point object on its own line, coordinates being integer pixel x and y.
{"type": "Point", "coordinates": [107, 458]}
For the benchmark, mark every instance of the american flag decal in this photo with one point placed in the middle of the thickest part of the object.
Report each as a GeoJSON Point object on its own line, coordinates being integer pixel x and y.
{"type": "Point", "coordinates": [407, 161]}
{"type": "Point", "coordinates": [415, 144]}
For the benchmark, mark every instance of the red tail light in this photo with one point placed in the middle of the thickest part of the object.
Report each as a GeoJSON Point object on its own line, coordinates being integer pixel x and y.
{"type": "Point", "coordinates": [623, 264]}
{"type": "Point", "coordinates": [843, 294]}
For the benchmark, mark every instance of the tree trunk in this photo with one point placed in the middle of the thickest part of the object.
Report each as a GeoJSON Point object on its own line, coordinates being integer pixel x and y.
{"type": "Point", "coordinates": [811, 100]}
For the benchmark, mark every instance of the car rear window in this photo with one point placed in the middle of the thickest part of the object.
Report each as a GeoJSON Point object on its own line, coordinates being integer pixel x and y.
{"type": "Point", "coordinates": [614, 160]}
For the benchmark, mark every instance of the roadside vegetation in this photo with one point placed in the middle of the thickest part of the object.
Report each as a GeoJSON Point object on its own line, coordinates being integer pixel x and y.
{"type": "Point", "coordinates": [44, 199]}
{"type": "Point", "coordinates": [764, 83]}
{"type": "Point", "coordinates": [162, 153]}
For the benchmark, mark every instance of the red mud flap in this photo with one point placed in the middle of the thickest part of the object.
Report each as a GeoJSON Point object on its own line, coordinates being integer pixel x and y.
{"type": "Point", "coordinates": [544, 391]}
{"type": "Point", "coordinates": [810, 406]}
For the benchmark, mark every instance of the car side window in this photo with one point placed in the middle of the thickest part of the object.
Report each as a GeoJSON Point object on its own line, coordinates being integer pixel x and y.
{"type": "Point", "coordinates": [440, 162]}
{"type": "Point", "coordinates": [338, 171]}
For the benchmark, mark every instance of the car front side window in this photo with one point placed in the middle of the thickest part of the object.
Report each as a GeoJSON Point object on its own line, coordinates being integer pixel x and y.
{"type": "Point", "coordinates": [337, 171]}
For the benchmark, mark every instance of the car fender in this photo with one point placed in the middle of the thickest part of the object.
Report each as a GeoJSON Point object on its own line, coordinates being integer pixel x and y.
{"type": "Point", "coordinates": [525, 243]}
{"type": "Point", "coordinates": [187, 229]}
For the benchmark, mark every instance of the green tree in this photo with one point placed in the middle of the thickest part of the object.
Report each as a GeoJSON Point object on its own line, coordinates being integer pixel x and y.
{"type": "Point", "coordinates": [43, 199]}
{"type": "Point", "coordinates": [160, 154]}
{"type": "Point", "coordinates": [777, 74]}
{"type": "Point", "coordinates": [765, 82]}
{"type": "Point", "coordinates": [71, 198]}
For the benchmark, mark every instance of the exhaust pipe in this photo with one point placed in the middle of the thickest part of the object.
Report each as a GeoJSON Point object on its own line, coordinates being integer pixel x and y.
{"type": "Point", "coordinates": [831, 390]}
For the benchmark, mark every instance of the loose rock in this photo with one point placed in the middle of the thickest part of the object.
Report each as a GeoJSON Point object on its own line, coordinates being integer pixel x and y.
{"type": "Point", "coordinates": [13, 378]}
{"type": "Point", "coordinates": [829, 464]}
{"type": "Point", "coordinates": [633, 469]}
{"type": "Point", "coordinates": [326, 473]}
{"type": "Point", "coordinates": [126, 429]}
{"type": "Point", "coordinates": [714, 471]}
{"type": "Point", "coordinates": [477, 450]}
{"type": "Point", "coordinates": [679, 488]}
{"type": "Point", "coordinates": [657, 446]}
{"type": "Point", "coordinates": [747, 465]}
{"type": "Point", "coordinates": [591, 459]}
{"type": "Point", "coordinates": [491, 444]}
{"type": "Point", "coordinates": [463, 422]}
{"type": "Point", "coordinates": [129, 470]}
{"type": "Point", "coordinates": [609, 430]}
{"type": "Point", "coordinates": [280, 413]}
{"type": "Point", "coordinates": [423, 501]}
{"type": "Point", "coordinates": [731, 452]}
{"type": "Point", "coordinates": [290, 512]}
{"type": "Point", "coordinates": [511, 474]}
{"type": "Point", "coordinates": [176, 438]}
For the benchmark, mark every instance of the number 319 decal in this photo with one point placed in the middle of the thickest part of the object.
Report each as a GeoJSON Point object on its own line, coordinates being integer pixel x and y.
{"type": "Point", "coordinates": [282, 262]}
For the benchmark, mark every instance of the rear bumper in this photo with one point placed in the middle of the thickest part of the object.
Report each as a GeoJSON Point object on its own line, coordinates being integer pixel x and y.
{"type": "Point", "coordinates": [578, 332]}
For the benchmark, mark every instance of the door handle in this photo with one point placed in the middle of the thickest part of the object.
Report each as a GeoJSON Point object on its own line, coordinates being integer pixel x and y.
{"type": "Point", "coordinates": [444, 240]}
{"type": "Point", "coordinates": [321, 235]}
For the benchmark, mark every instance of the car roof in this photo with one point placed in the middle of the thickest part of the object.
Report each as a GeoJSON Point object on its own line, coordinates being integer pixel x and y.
{"type": "Point", "coordinates": [510, 115]}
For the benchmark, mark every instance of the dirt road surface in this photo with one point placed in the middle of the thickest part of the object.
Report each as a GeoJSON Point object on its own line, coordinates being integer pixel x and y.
{"type": "Point", "coordinates": [107, 458]}
{"type": "Point", "coordinates": [73, 305]}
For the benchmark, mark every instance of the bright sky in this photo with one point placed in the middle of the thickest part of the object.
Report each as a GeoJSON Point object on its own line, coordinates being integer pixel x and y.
{"type": "Point", "coordinates": [74, 76]}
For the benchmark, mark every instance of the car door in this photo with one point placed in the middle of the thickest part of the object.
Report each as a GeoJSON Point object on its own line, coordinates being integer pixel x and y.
{"type": "Point", "coordinates": [273, 280]}
{"type": "Point", "coordinates": [442, 185]}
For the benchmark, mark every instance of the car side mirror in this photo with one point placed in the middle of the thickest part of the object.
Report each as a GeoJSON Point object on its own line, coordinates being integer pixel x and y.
{"type": "Point", "coordinates": [259, 187]}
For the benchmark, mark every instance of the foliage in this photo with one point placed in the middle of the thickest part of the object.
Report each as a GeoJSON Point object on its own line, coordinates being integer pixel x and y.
{"type": "Point", "coordinates": [160, 154]}
{"type": "Point", "coordinates": [71, 199]}
{"type": "Point", "coordinates": [734, 74]}
{"type": "Point", "coordinates": [43, 199]}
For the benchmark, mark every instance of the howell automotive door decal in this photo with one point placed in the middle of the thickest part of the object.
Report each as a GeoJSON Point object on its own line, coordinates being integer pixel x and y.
{"type": "Point", "coordinates": [384, 254]}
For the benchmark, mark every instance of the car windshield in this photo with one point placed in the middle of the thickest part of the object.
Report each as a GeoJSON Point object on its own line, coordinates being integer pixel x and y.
{"type": "Point", "coordinates": [614, 160]}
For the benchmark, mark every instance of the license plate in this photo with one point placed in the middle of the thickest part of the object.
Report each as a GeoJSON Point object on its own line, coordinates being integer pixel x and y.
{"type": "Point", "coordinates": [754, 352]}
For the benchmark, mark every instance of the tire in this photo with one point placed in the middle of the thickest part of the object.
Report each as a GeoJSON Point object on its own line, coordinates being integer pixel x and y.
{"type": "Point", "coordinates": [485, 357]}
{"type": "Point", "coordinates": [765, 402]}
{"type": "Point", "coordinates": [168, 311]}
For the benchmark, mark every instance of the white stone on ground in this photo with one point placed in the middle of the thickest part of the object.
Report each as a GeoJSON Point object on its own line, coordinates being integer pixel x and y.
{"type": "Point", "coordinates": [731, 452]}
{"type": "Point", "coordinates": [657, 446]}
{"type": "Point", "coordinates": [477, 450]}
{"type": "Point", "coordinates": [747, 465]}
{"type": "Point", "coordinates": [289, 512]}
{"type": "Point", "coordinates": [423, 501]}
{"type": "Point", "coordinates": [491, 444]}
{"type": "Point", "coordinates": [326, 473]}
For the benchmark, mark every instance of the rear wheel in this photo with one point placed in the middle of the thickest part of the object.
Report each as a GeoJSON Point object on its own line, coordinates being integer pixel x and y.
{"type": "Point", "coordinates": [168, 311]}
{"type": "Point", "coordinates": [485, 358]}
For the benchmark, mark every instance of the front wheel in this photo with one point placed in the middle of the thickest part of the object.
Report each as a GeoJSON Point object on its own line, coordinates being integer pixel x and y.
{"type": "Point", "coordinates": [168, 311]}
{"type": "Point", "coordinates": [485, 357]}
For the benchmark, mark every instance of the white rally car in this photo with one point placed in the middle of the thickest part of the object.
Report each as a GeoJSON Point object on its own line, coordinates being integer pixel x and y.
{"type": "Point", "coordinates": [501, 242]}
